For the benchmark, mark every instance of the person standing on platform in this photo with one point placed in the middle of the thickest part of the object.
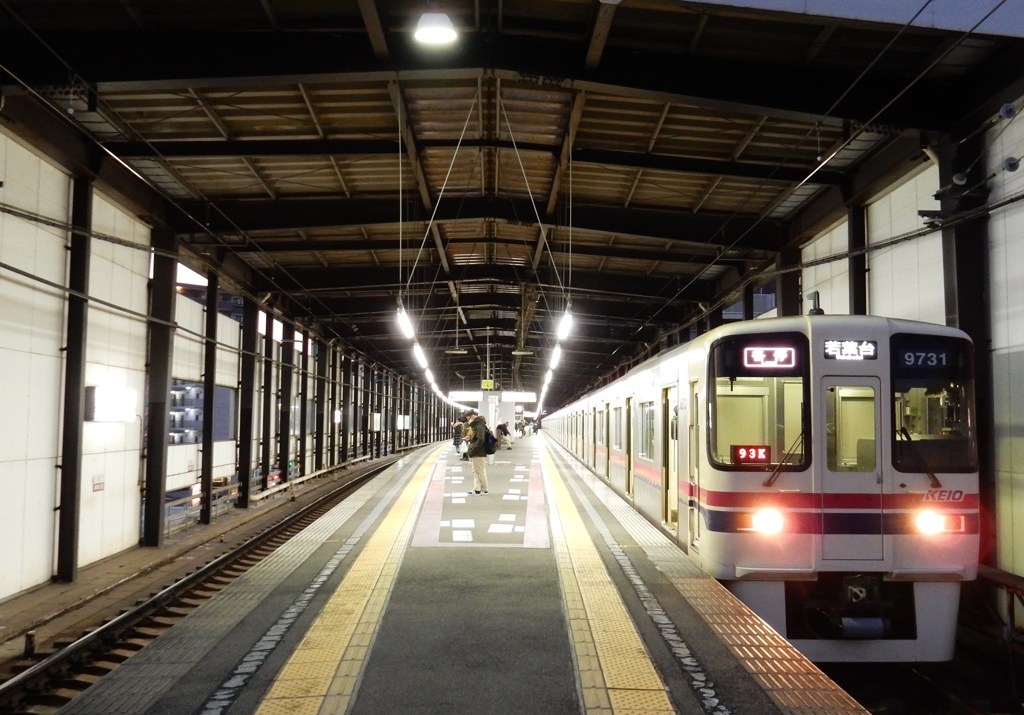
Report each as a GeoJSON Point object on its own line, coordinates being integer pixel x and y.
{"type": "Point", "coordinates": [478, 451]}
{"type": "Point", "coordinates": [504, 436]}
{"type": "Point", "coordinates": [467, 433]}
{"type": "Point", "coordinates": [457, 435]}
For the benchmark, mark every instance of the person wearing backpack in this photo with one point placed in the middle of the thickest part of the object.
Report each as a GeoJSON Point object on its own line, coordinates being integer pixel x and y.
{"type": "Point", "coordinates": [478, 451]}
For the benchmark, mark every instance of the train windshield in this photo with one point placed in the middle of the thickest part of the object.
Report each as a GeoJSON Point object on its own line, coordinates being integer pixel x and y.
{"type": "Point", "coordinates": [933, 394]}
{"type": "Point", "coordinates": [759, 390]}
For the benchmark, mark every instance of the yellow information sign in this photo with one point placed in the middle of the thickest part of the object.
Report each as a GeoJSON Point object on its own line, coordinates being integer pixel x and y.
{"type": "Point", "coordinates": [487, 384]}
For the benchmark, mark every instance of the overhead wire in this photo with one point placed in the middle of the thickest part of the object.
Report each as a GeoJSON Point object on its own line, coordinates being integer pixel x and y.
{"type": "Point", "coordinates": [444, 186]}
{"type": "Point", "coordinates": [821, 164]}
{"type": "Point", "coordinates": [76, 77]}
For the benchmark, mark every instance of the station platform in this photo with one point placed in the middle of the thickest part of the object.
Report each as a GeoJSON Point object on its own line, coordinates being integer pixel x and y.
{"type": "Point", "coordinates": [548, 594]}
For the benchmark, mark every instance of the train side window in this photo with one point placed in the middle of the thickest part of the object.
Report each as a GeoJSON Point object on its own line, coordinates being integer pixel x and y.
{"type": "Point", "coordinates": [645, 440]}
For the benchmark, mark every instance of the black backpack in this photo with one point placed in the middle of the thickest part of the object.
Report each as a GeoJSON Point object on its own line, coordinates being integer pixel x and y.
{"type": "Point", "coordinates": [490, 444]}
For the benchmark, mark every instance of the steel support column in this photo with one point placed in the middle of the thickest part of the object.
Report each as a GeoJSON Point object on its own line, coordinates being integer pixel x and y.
{"type": "Point", "coordinates": [364, 409]}
{"type": "Point", "coordinates": [209, 389]}
{"type": "Point", "coordinates": [304, 417]}
{"type": "Point", "coordinates": [857, 241]}
{"type": "Point", "coordinates": [268, 404]}
{"type": "Point", "coordinates": [320, 391]}
{"type": "Point", "coordinates": [347, 378]}
{"type": "Point", "coordinates": [285, 412]}
{"type": "Point", "coordinates": [966, 274]}
{"type": "Point", "coordinates": [748, 302]}
{"type": "Point", "coordinates": [247, 399]}
{"type": "Point", "coordinates": [787, 284]}
{"type": "Point", "coordinates": [74, 381]}
{"type": "Point", "coordinates": [333, 359]}
{"type": "Point", "coordinates": [162, 303]}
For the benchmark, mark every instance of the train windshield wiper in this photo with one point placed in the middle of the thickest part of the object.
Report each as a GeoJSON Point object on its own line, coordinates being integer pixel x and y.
{"type": "Point", "coordinates": [789, 453]}
{"type": "Point", "coordinates": [917, 455]}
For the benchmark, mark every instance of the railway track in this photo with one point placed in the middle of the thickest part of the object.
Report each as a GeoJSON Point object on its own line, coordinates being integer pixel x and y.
{"type": "Point", "coordinates": [40, 683]}
{"type": "Point", "coordinates": [977, 681]}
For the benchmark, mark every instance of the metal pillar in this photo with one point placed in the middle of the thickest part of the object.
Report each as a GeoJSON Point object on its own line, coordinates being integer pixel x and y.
{"type": "Point", "coordinates": [303, 402]}
{"type": "Point", "coordinates": [285, 388]}
{"type": "Point", "coordinates": [787, 285]}
{"type": "Point", "coordinates": [162, 303]}
{"type": "Point", "coordinates": [331, 360]}
{"type": "Point", "coordinates": [247, 399]}
{"type": "Point", "coordinates": [209, 388]}
{"type": "Point", "coordinates": [857, 241]}
{"type": "Point", "coordinates": [966, 273]}
{"type": "Point", "coordinates": [74, 381]}
{"type": "Point", "coordinates": [319, 403]}
{"type": "Point", "coordinates": [347, 378]}
{"type": "Point", "coordinates": [268, 404]}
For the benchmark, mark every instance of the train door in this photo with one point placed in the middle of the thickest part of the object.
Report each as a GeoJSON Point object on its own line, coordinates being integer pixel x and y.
{"type": "Point", "coordinates": [851, 471]}
{"type": "Point", "coordinates": [629, 447]}
{"type": "Point", "coordinates": [670, 458]}
{"type": "Point", "coordinates": [592, 457]}
{"type": "Point", "coordinates": [693, 466]}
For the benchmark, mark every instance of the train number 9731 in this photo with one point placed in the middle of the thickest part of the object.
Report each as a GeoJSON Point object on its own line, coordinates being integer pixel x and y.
{"type": "Point", "coordinates": [926, 358]}
{"type": "Point", "coordinates": [934, 360]}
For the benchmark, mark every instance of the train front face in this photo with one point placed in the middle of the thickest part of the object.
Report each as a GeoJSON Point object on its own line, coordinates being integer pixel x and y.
{"type": "Point", "coordinates": [845, 464]}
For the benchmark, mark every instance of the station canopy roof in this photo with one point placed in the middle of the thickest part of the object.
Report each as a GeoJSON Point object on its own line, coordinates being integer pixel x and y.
{"type": "Point", "coordinates": [645, 163]}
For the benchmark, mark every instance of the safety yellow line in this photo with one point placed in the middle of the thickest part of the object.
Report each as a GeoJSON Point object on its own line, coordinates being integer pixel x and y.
{"type": "Point", "coordinates": [614, 669]}
{"type": "Point", "coordinates": [323, 672]}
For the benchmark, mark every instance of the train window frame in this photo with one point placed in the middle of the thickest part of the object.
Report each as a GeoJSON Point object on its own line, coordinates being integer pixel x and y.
{"type": "Point", "coordinates": [916, 445]}
{"type": "Point", "coordinates": [771, 386]}
{"type": "Point", "coordinates": [646, 430]}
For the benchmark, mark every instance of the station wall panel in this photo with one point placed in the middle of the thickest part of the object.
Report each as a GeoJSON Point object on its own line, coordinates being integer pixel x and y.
{"type": "Point", "coordinates": [31, 361]}
{"type": "Point", "coordinates": [905, 279]}
{"type": "Point", "coordinates": [1003, 140]}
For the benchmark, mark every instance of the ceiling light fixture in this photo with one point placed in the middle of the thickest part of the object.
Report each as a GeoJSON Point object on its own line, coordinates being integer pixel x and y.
{"type": "Point", "coordinates": [556, 355]}
{"type": "Point", "coordinates": [565, 325]}
{"type": "Point", "coordinates": [435, 28]}
{"type": "Point", "coordinates": [404, 322]}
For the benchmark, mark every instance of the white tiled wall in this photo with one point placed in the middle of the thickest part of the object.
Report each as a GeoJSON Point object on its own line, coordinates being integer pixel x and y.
{"type": "Point", "coordinates": [32, 326]}
{"type": "Point", "coordinates": [905, 280]}
{"type": "Point", "coordinates": [31, 363]}
{"type": "Point", "coordinates": [832, 278]}
{"type": "Point", "coordinates": [1006, 295]}
{"type": "Point", "coordinates": [115, 356]}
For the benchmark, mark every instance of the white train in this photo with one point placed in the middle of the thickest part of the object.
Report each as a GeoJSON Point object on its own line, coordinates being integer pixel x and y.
{"type": "Point", "coordinates": [824, 468]}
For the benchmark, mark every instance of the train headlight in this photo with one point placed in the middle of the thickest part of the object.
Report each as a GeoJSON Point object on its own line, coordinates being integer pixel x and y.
{"type": "Point", "coordinates": [767, 521]}
{"type": "Point", "coordinates": [931, 522]}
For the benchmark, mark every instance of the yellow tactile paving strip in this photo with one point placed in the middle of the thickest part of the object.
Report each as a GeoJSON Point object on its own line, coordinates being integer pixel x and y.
{"type": "Point", "coordinates": [793, 682]}
{"type": "Point", "coordinates": [323, 671]}
{"type": "Point", "coordinates": [615, 672]}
